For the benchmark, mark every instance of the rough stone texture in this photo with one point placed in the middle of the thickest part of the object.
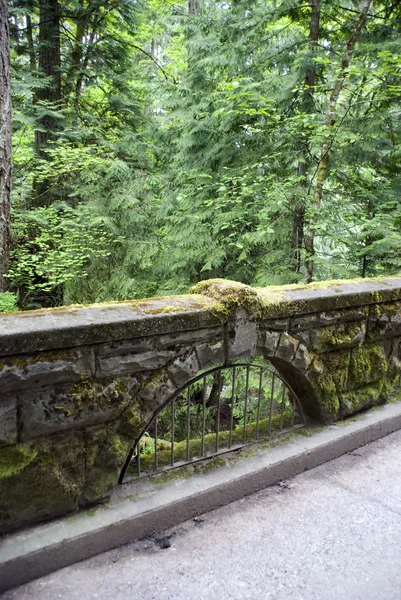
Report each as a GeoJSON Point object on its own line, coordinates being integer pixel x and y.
{"type": "Point", "coordinates": [69, 416]}
{"type": "Point", "coordinates": [268, 342]}
{"type": "Point", "coordinates": [384, 321]}
{"type": "Point", "coordinates": [8, 420]}
{"type": "Point", "coordinates": [105, 452]}
{"type": "Point", "coordinates": [133, 363]}
{"type": "Point", "coordinates": [321, 319]}
{"type": "Point", "coordinates": [244, 343]}
{"type": "Point", "coordinates": [126, 347]}
{"type": "Point", "coordinates": [188, 337]}
{"type": "Point", "coordinates": [52, 409]}
{"type": "Point", "coordinates": [341, 336]}
{"type": "Point", "coordinates": [210, 355]}
{"type": "Point", "coordinates": [40, 480]}
{"type": "Point", "coordinates": [45, 368]}
{"type": "Point", "coordinates": [287, 347]}
{"type": "Point", "coordinates": [183, 369]}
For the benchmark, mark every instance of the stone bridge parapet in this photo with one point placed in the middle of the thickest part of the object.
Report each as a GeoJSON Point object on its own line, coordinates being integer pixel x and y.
{"type": "Point", "coordinates": [78, 384]}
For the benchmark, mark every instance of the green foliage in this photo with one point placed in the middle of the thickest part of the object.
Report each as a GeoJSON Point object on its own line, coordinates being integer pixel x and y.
{"type": "Point", "coordinates": [194, 142]}
{"type": "Point", "coordinates": [53, 245]}
{"type": "Point", "coordinates": [8, 302]}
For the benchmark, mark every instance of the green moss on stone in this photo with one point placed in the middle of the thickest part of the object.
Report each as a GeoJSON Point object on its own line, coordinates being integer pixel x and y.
{"type": "Point", "coordinates": [368, 363]}
{"type": "Point", "coordinates": [365, 397]}
{"type": "Point", "coordinates": [328, 396]}
{"type": "Point", "coordinates": [231, 294]}
{"type": "Point", "coordinates": [386, 309]}
{"type": "Point", "coordinates": [275, 301]}
{"type": "Point", "coordinates": [88, 395]}
{"type": "Point", "coordinates": [14, 459]}
{"type": "Point", "coordinates": [339, 335]}
{"type": "Point", "coordinates": [44, 482]}
{"type": "Point", "coordinates": [337, 364]}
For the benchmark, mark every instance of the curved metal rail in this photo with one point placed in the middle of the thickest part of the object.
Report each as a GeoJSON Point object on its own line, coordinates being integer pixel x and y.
{"type": "Point", "coordinates": [221, 410]}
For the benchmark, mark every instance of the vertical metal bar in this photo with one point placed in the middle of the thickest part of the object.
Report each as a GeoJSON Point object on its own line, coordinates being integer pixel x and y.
{"type": "Point", "coordinates": [203, 418]}
{"type": "Point", "coordinates": [282, 406]}
{"type": "Point", "coordinates": [156, 457]}
{"type": "Point", "coordinates": [246, 402]}
{"type": "Point", "coordinates": [138, 458]}
{"type": "Point", "coordinates": [230, 438]}
{"type": "Point", "coordinates": [188, 420]}
{"type": "Point", "coordinates": [172, 432]}
{"type": "Point", "coordinates": [218, 413]}
{"type": "Point", "coordinates": [259, 400]}
{"type": "Point", "coordinates": [293, 410]}
{"type": "Point", "coordinates": [271, 403]}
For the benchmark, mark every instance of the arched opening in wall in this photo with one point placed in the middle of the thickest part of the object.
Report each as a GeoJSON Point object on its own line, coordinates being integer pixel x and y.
{"type": "Point", "coordinates": [221, 410]}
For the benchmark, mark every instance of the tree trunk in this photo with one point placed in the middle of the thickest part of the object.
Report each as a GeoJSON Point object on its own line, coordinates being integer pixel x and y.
{"type": "Point", "coordinates": [49, 63]}
{"type": "Point", "coordinates": [308, 107]}
{"type": "Point", "coordinates": [29, 38]}
{"type": "Point", "coordinates": [5, 145]}
{"type": "Point", "coordinates": [50, 67]}
{"type": "Point", "coordinates": [321, 171]}
{"type": "Point", "coordinates": [193, 7]}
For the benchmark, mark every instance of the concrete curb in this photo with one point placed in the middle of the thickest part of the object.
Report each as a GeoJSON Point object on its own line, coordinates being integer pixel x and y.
{"type": "Point", "coordinates": [40, 550]}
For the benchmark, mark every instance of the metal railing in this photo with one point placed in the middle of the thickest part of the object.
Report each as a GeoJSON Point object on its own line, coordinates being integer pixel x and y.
{"type": "Point", "coordinates": [219, 411]}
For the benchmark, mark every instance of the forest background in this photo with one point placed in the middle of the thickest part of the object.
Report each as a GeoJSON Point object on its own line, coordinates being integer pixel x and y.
{"type": "Point", "coordinates": [157, 143]}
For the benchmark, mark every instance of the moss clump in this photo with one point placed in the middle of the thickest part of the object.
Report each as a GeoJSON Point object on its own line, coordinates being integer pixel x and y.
{"type": "Point", "coordinates": [386, 309]}
{"type": "Point", "coordinates": [365, 397]}
{"type": "Point", "coordinates": [328, 397]}
{"type": "Point", "coordinates": [231, 294]}
{"type": "Point", "coordinates": [14, 459]}
{"type": "Point", "coordinates": [368, 363]}
{"type": "Point", "coordinates": [337, 364]}
{"type": "Point", "coordinates": [88, 395]}
{"type": "Point", "coordinates": [273, 301]}
{"type": "Point", "coordinates": [340, 335]}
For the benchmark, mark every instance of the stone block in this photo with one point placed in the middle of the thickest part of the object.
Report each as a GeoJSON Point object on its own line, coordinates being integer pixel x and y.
{"type": "Point", "coordinates": [88, 402]}
{"type": "Point", "coordinates": [337, 365]}
{"type": "Point", "coordinates": [243, 344]}
{"type": "Point", "coordinates": [394, 358]}
{"type": "Point", "coordinates": [188, 337]}
{"type": "Point", "coordinates": [210, 355]}
{"type": "Point", "coordinates": [342, 336]}
{"type": "Point", "coordinates": [287, 347]}
{"type": "Point", "coordinates": [106, 450]}
{"type": "Point", "coordinates": [155, 392]}
{"type": "Point", "coordinates": [367, 364]}
{"type": "Point", "coordinates": [8, 420]}
{"type": "Point", "coordinates": [364, 397]}
{"type": "Point", "coordinates": [45, 368]}
{"type": "Point", "coordinates": [40, 480]}
{"type": "Point", "coordinates": [145, 344]}
{"type": "Point", "coordinates": [302, 358]}
{"type": "Point", "coordinates": [384, 321]}
{"type": "Point", "coordinates": [322, 319]}
{"type": "Point", "coordinates": [268, 342]}
{"type": "Point", "coordinates": [275, 324]}
{"type": "Point", "coordinates": [183, 369]}
{"type": "Point", "coordinates": [134, 363]}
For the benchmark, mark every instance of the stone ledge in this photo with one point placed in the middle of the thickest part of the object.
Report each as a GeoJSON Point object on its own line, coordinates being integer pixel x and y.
{"type": "Point", "coordinates": [74, 326]}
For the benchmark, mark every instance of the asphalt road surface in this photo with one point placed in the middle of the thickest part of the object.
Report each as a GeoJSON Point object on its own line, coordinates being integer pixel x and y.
{"type": "Point", "coordinates": [330, 533]}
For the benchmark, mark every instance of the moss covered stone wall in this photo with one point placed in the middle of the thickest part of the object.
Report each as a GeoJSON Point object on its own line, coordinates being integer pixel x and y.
{"type": "Point", "coordinates": [79, 384]}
